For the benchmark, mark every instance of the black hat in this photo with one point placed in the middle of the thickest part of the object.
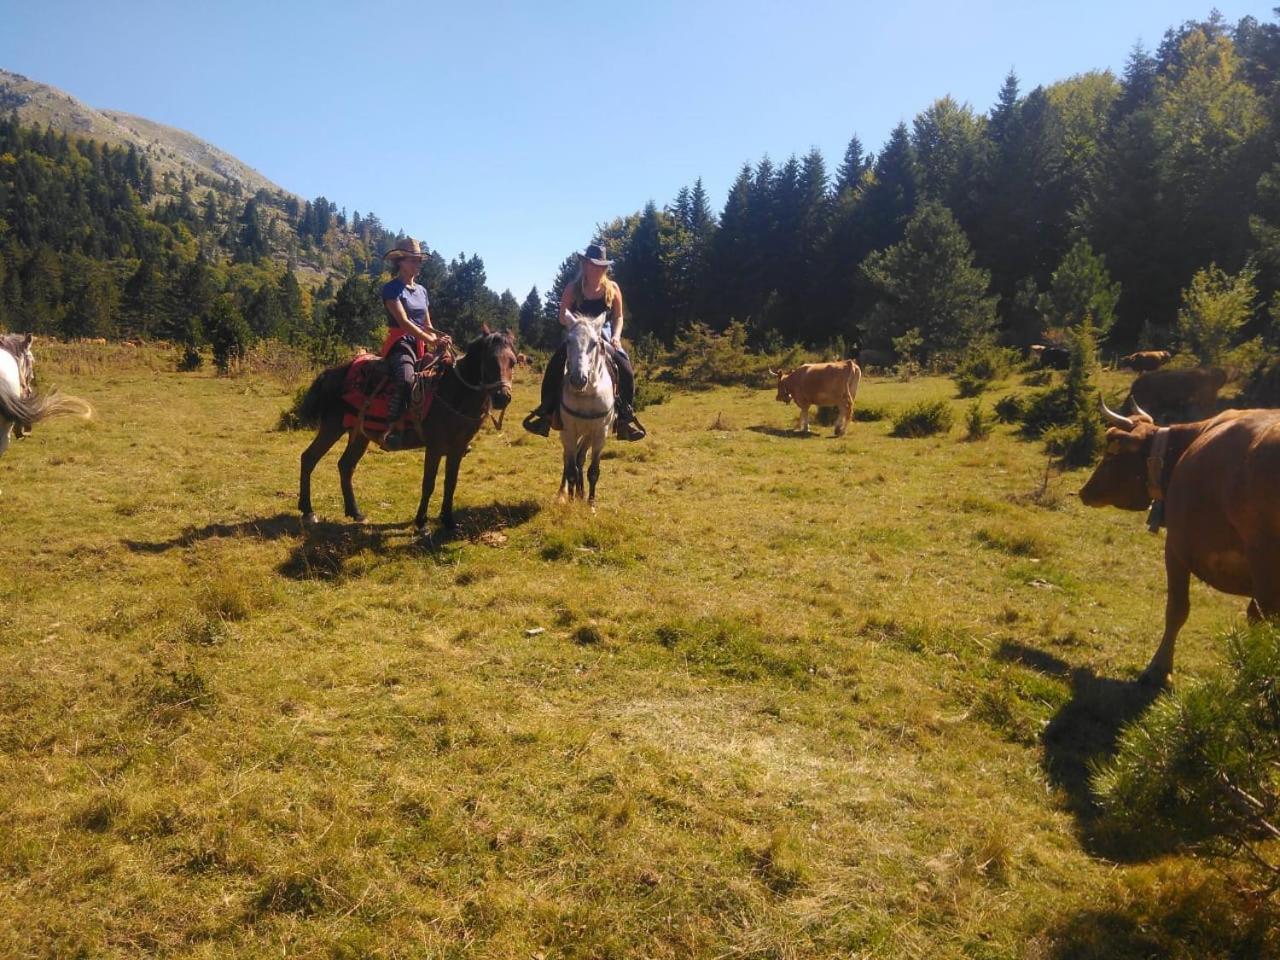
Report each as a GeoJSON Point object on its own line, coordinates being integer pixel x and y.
{"type": "Point", "coordinates": [595, 253]}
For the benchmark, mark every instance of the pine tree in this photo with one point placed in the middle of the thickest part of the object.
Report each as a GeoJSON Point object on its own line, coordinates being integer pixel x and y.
{"type": "Point", "coordinates": [229, 334]}
{"type": "Point", "coordinates": [1082, 289]}
{"type": "Point", "coordinates": [530, 319]}
{"type": "Point", "coordinates": [853, 167]}
{"type": "Point", "coordinates": [928, 281]}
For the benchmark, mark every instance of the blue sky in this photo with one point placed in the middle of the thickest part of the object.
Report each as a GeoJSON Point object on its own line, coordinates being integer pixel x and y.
{"type": "Point", "coordinates": [512, 129]}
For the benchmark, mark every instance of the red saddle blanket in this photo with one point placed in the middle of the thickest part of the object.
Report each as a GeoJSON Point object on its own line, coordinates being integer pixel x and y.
{"type": "Point", "coordinates": [368, 391]}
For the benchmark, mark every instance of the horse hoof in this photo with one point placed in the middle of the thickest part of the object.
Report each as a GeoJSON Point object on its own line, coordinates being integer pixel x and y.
{"type": "Point", "coordinates": [1153, 679]}
{"type": "Point", "coordinates": [357, 517]}
{"type": "Point", "coordinates": [310, 519]}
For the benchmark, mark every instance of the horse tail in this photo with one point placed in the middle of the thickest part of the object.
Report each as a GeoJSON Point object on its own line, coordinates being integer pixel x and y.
{"type": "Point", "coordinates": [323, 395]}
{"type": "Point", "coordinates": [31, 410]}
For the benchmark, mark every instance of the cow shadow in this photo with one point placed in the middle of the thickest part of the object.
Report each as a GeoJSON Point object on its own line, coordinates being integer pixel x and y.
{"type": "Point", "coordinates": [790, 434]}
{"type": "Point", "coordinates": [1083, 733]}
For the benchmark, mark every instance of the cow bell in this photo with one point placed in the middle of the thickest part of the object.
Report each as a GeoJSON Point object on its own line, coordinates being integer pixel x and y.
{"type": "Point", "coordinates": [1155, 516]}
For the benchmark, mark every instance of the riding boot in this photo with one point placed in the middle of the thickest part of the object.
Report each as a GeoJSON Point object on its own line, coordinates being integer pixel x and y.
{"type": "Point", "coordinates": [394, 439]}
{"type": "Point", "coordinates": [539, 421]}
{"type": "Point", "coordinates": [627, 426]}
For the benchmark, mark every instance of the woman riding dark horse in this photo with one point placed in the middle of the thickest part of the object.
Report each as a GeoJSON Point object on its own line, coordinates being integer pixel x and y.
{"type": "Point", "coordinates": [410, 333]}
{"type": "Point", "coordinates": [590, 294]}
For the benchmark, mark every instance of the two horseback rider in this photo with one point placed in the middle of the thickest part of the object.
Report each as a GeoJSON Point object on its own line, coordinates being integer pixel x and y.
{"type": "Point", "coordinates": [410, 332]}
{"type": "Point", "coordinates": [591, 294]}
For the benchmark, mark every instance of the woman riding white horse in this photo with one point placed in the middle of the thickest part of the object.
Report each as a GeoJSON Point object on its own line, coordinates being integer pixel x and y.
{"type": "Point", "coordinates": [591, 294]}
{"type": "Point", "coordinates": [587, 405]}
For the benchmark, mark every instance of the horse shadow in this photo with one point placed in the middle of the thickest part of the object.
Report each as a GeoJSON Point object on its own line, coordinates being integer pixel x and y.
{"type": "Point", "coordinates": [1083, 733]}
{"type": "Point", "coordinates": [322, 549]}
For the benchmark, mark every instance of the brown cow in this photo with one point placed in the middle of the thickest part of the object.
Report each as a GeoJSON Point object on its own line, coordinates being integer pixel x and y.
{"type": "Point", "coordinates": [1215, 481]}
{"type": "Point", "coordinates": [1183, 394]}
{"type": "Point", "coordinates": [1145, 360]}
{"type": "Point", "coordinates": [823, 385]}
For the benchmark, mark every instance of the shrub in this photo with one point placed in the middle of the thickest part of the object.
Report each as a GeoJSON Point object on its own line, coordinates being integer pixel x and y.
{"type": "Point", "coordinates": [978, 422]}
{"type": "Point", "coordinates": [1010, 409]}
{"type": "Point", "coordinates": [191, 359]}
{"type": "Point", "coordinates": [1202, 766]}
{"type": "Point", "coordinates": [924, 419]}
{"type": "Point", "coordinates": [702, 357]}
{"type": "Point", "coordinates": [869, 413]}
{"type": "Point", "coordinates": [290, 416]}
{"type": "Point", "coordinates": [1045, 409]}
{"type": "Point", "coordinates": [1214, 308]}
{"type": "Point", "coordinates": [980, 366]}
{"type": "Point", "coordinates": [650, 393]}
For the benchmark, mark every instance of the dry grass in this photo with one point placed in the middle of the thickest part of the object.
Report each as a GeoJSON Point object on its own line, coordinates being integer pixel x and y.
{"type": "Point", "coordinates": [787, 699]}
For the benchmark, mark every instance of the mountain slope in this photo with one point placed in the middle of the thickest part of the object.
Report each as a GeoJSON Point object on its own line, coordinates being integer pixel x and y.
{"type": "Point", "coordinates": [169, 149]}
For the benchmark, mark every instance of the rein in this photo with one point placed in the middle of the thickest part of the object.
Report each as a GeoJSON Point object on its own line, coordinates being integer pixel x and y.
{"type": "Point", "coordinates": [485, 387]}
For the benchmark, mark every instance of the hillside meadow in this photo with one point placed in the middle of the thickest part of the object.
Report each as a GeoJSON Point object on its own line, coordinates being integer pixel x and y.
{"type": "Point", "coordinates": [781, 697]}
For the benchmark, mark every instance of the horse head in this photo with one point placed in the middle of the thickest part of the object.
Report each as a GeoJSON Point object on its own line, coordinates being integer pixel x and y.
{"type": "Point", "coordinates": [496, 356]}
{"type": "Point", "coordinates": [585, 352]}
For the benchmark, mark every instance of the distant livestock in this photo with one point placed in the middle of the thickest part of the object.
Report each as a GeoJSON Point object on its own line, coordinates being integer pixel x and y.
{"type": "Point", "coordinates": [1051, 357]}
{"type": "Point", "coordinates": [1179, 394]}
{"type": "Point", "coordinates": [823, 385]}
{"type": "Point", "coordinates": [1212, 483]}
{"type": "Point", "coordinates": [1145, 360]}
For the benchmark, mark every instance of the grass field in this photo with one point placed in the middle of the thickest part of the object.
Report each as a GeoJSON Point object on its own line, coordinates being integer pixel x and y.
{"type": "Point", "coordinates": [780, 698]}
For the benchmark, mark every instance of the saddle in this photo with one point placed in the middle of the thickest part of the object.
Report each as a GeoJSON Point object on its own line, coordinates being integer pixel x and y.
{"type": "Point", "coordinates": [369, 389]}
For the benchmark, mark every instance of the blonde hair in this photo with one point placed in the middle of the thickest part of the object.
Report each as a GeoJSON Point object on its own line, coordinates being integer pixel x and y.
{"type": "Point", "coordinates": [610, 288]}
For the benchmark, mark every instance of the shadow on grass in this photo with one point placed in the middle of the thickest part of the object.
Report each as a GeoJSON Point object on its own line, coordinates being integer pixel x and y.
{"type": "Point", "coordinates": [792, 433]}
{"type": "Point", "coordinates": [321, 550]}
{"type": "Point", "coordinates": [1083, 733]}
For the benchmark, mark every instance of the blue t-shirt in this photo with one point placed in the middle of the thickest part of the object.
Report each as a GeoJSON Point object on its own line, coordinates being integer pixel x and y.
{"type": "Point", "coordinates": [413, 299]}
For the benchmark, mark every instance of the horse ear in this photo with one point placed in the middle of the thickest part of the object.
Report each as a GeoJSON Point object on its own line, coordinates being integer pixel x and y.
{"type": "Point", "coordinates": [484, 330]}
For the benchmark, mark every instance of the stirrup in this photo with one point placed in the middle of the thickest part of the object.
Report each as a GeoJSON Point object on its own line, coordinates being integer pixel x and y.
{"type": "Point", "coordinates": [630, 428]}
{"type": "Point", "coordinates": [538, 423]}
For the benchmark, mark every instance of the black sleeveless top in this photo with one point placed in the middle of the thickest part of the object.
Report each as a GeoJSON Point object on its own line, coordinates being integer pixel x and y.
{"type": "Point", "coordinates": [593, 307]}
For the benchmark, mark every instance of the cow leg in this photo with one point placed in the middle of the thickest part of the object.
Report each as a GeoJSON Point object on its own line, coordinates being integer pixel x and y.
{"type": "Point", "coordinates": [356, 446]}
{"type": "Point", "coordinates": [1177, 606]}
{"type": "Point", "coordinates": [1266, 585]}
{"type": "Point", "coordinates": [804, 418]}
{"type": "Point", "coordinates": [326, 437]}
{"type": "Point", "coordinates": [842, 421]}
{"type": "Point", "coordinates": [430, 465]}
{"type": "Point", "coordinates": [452, 463]}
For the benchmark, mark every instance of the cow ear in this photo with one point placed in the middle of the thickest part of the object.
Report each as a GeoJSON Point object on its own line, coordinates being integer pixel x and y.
{"type": "Point", "coordinates": [484, 330]}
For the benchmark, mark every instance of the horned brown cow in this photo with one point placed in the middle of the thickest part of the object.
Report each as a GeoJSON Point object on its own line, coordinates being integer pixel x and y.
{"type": "Point", "coordinates": [1182, 394]}
{"type": "Point", "coordinates": [823, 385]}
{"type": "Point", "coordinates": [1145, 360]}
{"type": "Point", "coordinates": [1215, 481]}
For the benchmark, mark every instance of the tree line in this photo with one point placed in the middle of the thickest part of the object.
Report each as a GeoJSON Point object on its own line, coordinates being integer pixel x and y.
{"type": "Point", "coordinates": [93, 243]}
{"type": "Point", "coordinates": [1096, 194]}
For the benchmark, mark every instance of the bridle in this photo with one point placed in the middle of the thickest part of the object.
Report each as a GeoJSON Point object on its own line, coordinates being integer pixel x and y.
{"type": "Point", "coordinates": [596, 368]}
{"type": "Point", "coordinates": [487, 387]}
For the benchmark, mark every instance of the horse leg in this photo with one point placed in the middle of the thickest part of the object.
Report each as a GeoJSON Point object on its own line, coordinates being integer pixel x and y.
{"type": "Point", "coordinates": [5, 428]}
{"type": "Point", "coordinates": [593, 472]}
{"type": "Point", "coordinates": [452, 463]}
{"type": "Point", "coordinates": [566, 469]}
{"type": "Point", "coordinates": [579, 475]}
{"type": "Point", "coordinates": [429, 467]}
{"type": "Point", "coordinates": [356, 446]}
{"type": "Point", "coordinates": [328, 434]}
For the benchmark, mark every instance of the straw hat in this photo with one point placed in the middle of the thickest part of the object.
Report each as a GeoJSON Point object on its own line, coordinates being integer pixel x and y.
{"type": "Point", "coordinates": [408, 247]}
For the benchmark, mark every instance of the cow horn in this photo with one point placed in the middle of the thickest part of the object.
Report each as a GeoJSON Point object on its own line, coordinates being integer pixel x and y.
{"type": "Point", "coordinates": [1138, 410]}
{"type": "Point", "coordinates": [1113, 418]}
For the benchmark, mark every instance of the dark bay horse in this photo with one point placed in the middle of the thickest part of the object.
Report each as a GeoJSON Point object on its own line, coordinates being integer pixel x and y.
{"type": "Point", "coordinates": [464, 394]}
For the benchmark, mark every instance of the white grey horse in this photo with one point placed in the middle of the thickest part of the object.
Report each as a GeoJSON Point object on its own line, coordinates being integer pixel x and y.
{"type": "Point", "coordinates": [586, 406]}
{"type": "Point", "coordinates": [20, 405]}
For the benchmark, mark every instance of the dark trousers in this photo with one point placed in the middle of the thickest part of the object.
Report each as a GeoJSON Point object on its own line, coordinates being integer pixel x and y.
{"type": "Point", "coordinates": [401, 366]}
{"type": "Point", "coordinates": [553, 379]}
